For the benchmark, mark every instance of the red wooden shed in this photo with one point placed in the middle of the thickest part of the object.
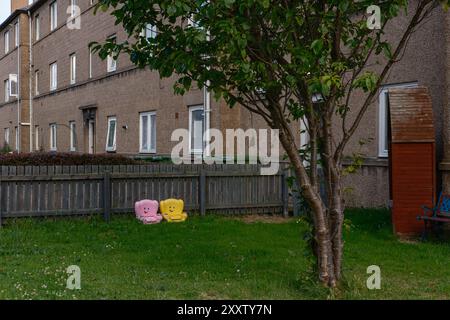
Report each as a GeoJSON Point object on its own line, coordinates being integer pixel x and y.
{"type": "Point", "coordinates": [412, 157]}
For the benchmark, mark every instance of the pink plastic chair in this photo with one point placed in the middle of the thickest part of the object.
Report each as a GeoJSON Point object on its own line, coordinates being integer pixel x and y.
{"type": "Point", "coordinates": [147, 211]}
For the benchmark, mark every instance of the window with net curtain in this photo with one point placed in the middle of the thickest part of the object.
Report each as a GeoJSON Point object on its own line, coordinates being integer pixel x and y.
{"type": "Point", "coordinates": [111, 136]}
{"type": "Point", "coordinates": [148, 132]}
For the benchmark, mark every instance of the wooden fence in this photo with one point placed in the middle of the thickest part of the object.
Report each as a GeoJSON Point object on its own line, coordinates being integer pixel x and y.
{"type": "Point", "coordinates": [92, 189]}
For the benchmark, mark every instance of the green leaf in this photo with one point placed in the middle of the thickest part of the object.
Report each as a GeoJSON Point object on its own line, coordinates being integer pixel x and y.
{"type": "Point", "coordinates": [317, 46]}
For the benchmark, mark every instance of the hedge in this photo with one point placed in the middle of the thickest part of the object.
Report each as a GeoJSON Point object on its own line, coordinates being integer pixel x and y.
{"type": "Point", "coordinates": [53, 158]}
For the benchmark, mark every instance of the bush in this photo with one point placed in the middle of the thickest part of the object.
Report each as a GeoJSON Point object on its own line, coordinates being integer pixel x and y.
{"type": "Point", "coordinates": [156, 159]}
{"type": "Point", "coordinates": [53, 158]}
{"type": "Point", "coordinates": [5, 149]}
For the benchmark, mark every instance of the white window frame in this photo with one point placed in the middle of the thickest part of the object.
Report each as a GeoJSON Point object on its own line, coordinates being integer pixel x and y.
{"type": "Point", "coordinates": [73, 68]}
{"type": "Point", "coordinates": [6, 88]}
{"type": "Point", "coordinates": [17, 138]}
{"type": "Point", "coordinates": [149, 115]}
{"type": "Point", "coordinates": [73, 4]}
{"type": "Point", "coordinates": [150, 31]}
{"type": "Point", "coordinates": [53, 137]}
{"type": "Point", "coordinates": [53, 76]}
{"type": "Point", "coordinates": [37, 28]}
{"type": "Point", "coordinates": [304, 138]}
{"type": "Point", "coordinates": [304, 134]}
{"type": "Point", "coordinates": [111, 63]}
{"type": "Point", "coordinates": [383, 143]}
{"type": "Point", "coordinates": [16, 34]}
{"type": "Point", "coordinates": [53, 15]}
{"type": "Point", "coordinates": [73, 136]}
{"type": "Point", "coordinates": [91, 137]}
{"type": "Point", "coordinates": [7, 136]}
{"type": "Point", "coordinates": [36, 138]}
{"type": "Point", "coordinates": [13, 84]}
{"type": "Point", "coordinates": [6, 41]}
{"type": "Point", "coordinates": [114, 146]}
{"type": "Point", "coordinates": [191, 110]}
{"type": "Point", "coordinates": [36, 82]}
{"type": "Point", "coordinates": [90, 63]}
{"type": "Point", "coordinates": [191, 22]}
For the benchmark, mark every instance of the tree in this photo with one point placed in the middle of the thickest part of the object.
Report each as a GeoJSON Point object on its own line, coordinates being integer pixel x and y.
{"type": "Point", "coordinates": [274, 58]}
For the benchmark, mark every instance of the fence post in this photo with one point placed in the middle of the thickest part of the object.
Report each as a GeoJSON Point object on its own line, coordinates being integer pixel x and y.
{"type": "Point", "coordinates": [107, 196]}
{"type": "Point", "coordinates": [202, 192]}
{"type": "Point", "coordinates": [284, 193]}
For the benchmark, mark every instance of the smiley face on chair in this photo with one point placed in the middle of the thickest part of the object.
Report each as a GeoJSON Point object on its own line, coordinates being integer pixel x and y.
{"type": "Point", "coordinates": [147, 211]}
{"type": "Point", "coordinates": [172, 210]}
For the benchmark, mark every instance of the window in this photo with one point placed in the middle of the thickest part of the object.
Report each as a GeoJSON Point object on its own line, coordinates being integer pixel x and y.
{"type": "Point", "coordinates": [6, 40]}
{"type": "Point", "coordinates": [383, 117]}
{"type": "Point", "coordinates": [6, 136]}
{"type": "Point", "coordinates": [73, 136]}
{"type": "Point", "coordinates": [111, 136]}
{"type": "Point", "coordinates": [111, 62]}
{"type": "Point", "coordinates": [13, 85]}
{"type": "Point", "coordinates": [304, 134]}
{"type": "Point", "coordinates": [196, 129]}
{"type": "Point", "coordinates": [6, 87]}
{"type": "Point", "coordinates": [150, 31]}
{"type": "Point", "coordinates": [53, 76]}
{"type": "Point", "coordinates": [53, 16]}
{"type": "Point", "coordinates": [73, 4]}
{"type": "Point", "coordinates": [53, 137]}
{"type": "Point", "coordinates": [36, 138]}
{"type": "Point", "coordinates": [90, 62]}
{"type": "Point", "coordinates": [37, 28]}
{"type": "Point", "coordinates": [304, 141]}
{"type": "Point", "coordinates": [73, 69]}
{"type": "Point", "coordinates": [147, 132]}
{"type": "Point", "coordinates": [16, 129]}
{"type": "Point", "coordinates": [16, 34]}
{"type": "Point", "coordinates": [191, 22]}
{"type": "Point", "coordinates": [36, 82]}
{"type": "Point", "coordinates": [91, 136]}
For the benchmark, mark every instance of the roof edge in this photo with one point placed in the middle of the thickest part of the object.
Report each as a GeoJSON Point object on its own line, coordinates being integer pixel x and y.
{"type": "Point", "coordinates": [30, 8]}
{"type": "Point", "coordinates": [12, 16]}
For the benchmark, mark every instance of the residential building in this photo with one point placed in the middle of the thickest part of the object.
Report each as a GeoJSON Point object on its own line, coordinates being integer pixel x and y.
{"type": "Point", "coordinates": [69, 100]}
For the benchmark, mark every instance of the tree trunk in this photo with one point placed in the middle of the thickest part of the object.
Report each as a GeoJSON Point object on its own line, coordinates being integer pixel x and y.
{"type": "Point", "coordinates": [336, 223]}
{"type": "Point", "coordinates": [328, 245]}
{"type": "Point", "coordinates": [332, 172]}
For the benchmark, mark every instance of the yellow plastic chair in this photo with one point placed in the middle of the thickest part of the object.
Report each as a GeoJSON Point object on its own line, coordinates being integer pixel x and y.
{"type": "Point", "coordinates": [172, 210]}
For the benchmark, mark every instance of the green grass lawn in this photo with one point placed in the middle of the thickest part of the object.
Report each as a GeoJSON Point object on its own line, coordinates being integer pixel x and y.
{"type": "Point", "coordinates": [210, 258]}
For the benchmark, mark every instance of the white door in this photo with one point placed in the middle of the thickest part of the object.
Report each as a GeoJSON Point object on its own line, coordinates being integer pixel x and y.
{"type": "Point", "coordinates": [91, 147]}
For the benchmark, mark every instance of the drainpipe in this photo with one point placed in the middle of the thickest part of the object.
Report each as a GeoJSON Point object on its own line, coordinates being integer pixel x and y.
{"type": "Point", "coordinates": [207, 109]}
{"type": "Point", "coordinates": [19, 83]}
{"type": "Point", "coordinates": [207, 115]}
{"type": "Point", "coordinates": [30, 90]}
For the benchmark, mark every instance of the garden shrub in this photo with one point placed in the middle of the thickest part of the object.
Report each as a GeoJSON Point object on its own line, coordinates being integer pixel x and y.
{"type": "Point", "coordinates": [156, 159]}
{"type": "Point", "coordinates": [53, 158]}
{"type": "Point", "coordinates": [5, 149]}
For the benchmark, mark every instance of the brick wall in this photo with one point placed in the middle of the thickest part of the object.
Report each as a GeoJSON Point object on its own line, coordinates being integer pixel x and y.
{"type": "Point", "coordinates": [15, 61]}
